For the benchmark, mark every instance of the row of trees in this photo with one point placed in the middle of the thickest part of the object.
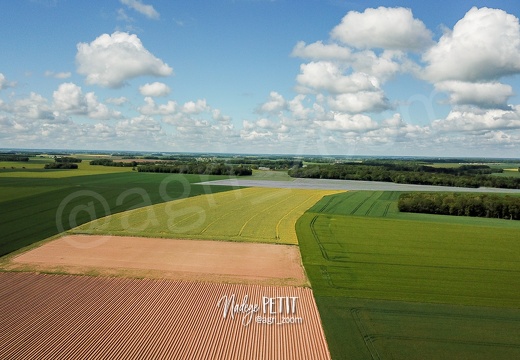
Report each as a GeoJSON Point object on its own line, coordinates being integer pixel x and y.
{"type": "Point", "coordinates": [12, 157]}
{"type": "Point", "coordinates": [58, 165]}
{"type": "Point", "coordinates": [274, 164]}
{"type": "Point", "coordinates": [67, 159]}
{"type": "Point", "coordinates": [198, 168]}
{"type": "Point", "coordinates": [478, 205]}
{"type": "Point", "coordinates": [110, 162]}
{"type": "Point", "coordinates": [406, 173]}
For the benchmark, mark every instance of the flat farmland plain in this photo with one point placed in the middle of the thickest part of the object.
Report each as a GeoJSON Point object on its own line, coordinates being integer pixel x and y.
{"type": "Point", "coordinates": [81, 317]}
{"type": "Point", "coordinates": [250, 214]}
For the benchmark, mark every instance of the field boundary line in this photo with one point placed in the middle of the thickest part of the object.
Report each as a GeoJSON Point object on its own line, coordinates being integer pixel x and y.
{"type": "Point", "coordinates": [289, 212]}
{"type": "Point", "coordinates": [368, 339]}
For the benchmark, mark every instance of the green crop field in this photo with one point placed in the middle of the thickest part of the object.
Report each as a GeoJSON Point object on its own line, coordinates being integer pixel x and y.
{"type": "Point", "coordinates": [252, 214]}
{"type": "Point", "coordinates": [35, 207]}
{"type": "Point", "coordinates": [34, 169]}
{"type": "Point", "coordinates": [411, 286]}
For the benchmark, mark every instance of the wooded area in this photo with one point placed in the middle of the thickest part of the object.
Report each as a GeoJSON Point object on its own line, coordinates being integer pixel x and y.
{"type": "Point", "coordinates": [473, 176]}
{"type": "Point", "coordinates": [478, 205]}
{"type": "Point", "coordinates": [198, 168]}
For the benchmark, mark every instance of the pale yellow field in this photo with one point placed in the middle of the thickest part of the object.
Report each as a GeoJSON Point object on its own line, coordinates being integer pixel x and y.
{"type": "Point", "coordinates": [251, 214]}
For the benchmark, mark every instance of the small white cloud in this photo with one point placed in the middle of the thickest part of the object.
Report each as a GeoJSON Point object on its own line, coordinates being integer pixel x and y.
{"type": "Point", "coordinates": [197, 107]}
{"type": "Point", "coordinates": [155, 89]}
{"type": "Point", "coordinates": [151, 108]}
{"type": "Point", "coordinates": [320, 51]}
{"type": "Point", "coordinates": [117, 101]}
{"type": "Point", "coordinates": [4, 84]}
{"type": "Point", "coordinates": [59, 75]}
{"type": "Point", "coordinates": [386, 28]}
{"type": "Point", "coordinates": [69, 97]}
{"type": "Point", "coordinates": [275, 103]}
{"type": "Point", "coordinates": [111, 60]}
{"type": "Point", "coordinates": [218, 116]}
{"type": "Point", "coordinates": [147, 10]}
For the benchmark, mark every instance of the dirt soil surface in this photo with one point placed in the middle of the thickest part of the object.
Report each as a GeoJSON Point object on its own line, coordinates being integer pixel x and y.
{"type": "Point", "coordinates": [216, 261]}
{"type": "Point", "coordinates": [83, 317]}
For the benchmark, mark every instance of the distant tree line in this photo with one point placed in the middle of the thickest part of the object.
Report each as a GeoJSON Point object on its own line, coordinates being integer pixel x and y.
{"type": "Point", "coordinates": [12, 157]}
{"type": "Point", "coordinates": [110, 162]}
{"type": "Point", "coordinates": [63, 162]}
{"type": "Point", "coordinates": [60, 165]}
{"type": "Point", "coordinates": [277, 164]}
{"type": "Point", "coordinates": [66, 159]}
{"type": "Point", "coordinates": [478, 205]}
{"type": "Point", "coordinates": [410, 173]}
{"type": "Point", "coordinates": [198, 168]}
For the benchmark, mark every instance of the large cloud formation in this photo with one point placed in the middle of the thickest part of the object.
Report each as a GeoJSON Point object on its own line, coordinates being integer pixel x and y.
{"type": "Point", "coordinates": [483, 46]}
{"type": "Point", "coordinates": [111, 60]}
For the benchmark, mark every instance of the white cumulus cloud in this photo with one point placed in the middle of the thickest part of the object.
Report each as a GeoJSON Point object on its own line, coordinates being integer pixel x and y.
{"type": "Point", "coordinates": [481, 120]}
{"type": "Point", "coordinates": [484, 95]}
{"type": "Point", "coordinates": [69, 99]}
{"type": "Point", "coordinates": [362, 101]}
{"type": "Point", "coordinates": [328, 76]}
{"type": "Point", "coordinates": [386, 28]}
{"type": "Point", "coordinates": [111, 60]}
{"type": "Point", "coordinates": [154, 89]}
{"type": "Point", "coordinates": [346, 122]}
{"type": "Point", "coordinates": [275, 103]}
{"type": "Point", "coordinates": [483, 46]}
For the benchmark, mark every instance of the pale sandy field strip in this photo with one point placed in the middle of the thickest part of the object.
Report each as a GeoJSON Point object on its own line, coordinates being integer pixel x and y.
{"type": "Point", "coordinates": [170, 258]}
{"type": "Point", "coordinates": [81, 317]}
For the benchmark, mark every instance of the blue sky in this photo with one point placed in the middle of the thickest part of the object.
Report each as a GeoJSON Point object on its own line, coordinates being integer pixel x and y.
{"type": "Point", "coordinates": [262, 76]}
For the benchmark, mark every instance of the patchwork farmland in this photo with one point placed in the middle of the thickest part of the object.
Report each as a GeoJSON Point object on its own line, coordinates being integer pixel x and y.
{"type": "Point", "coordinates": [386, 284]}
{"type": "Point", "coordinates": [158, 317]}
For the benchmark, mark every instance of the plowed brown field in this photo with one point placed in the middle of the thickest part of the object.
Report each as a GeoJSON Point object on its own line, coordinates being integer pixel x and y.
{"type": "Point", "coordinates": [167, 258]}
{"type": "Point", "coordinates": [72, 317]}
